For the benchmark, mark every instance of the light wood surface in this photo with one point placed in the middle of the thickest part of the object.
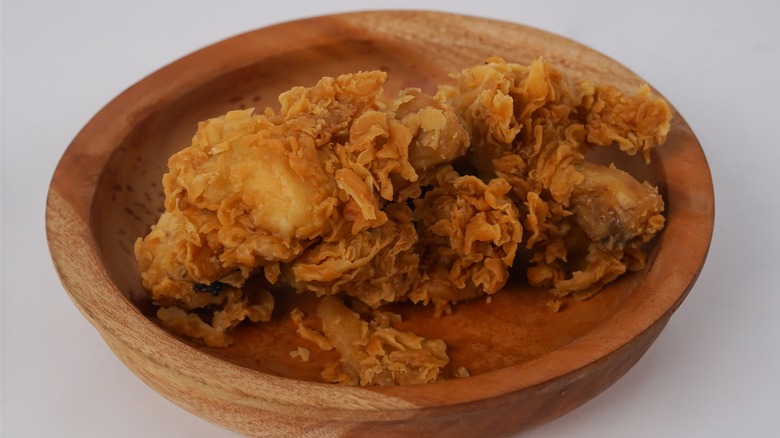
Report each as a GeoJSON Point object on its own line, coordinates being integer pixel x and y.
{"type": "Point", "coordinates": [529, 365]}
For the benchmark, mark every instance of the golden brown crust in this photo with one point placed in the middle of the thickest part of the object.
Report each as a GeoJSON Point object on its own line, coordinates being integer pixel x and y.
{"type": "Point", "coordinates": [469, 232]}
{"type": "Point", "coordinates": [377, 265]}
{"type": "Point", "coordinates": [531, 127]}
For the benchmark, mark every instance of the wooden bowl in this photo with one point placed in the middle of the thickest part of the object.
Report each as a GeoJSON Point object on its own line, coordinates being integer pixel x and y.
{"type": "Point", "coordinates": [529, 365]}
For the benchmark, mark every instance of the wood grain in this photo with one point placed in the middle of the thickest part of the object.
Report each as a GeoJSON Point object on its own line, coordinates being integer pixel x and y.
{"type": "Point", "coordinates": [528, 365]}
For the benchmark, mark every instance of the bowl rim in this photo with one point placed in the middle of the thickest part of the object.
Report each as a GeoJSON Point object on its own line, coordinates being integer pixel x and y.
{"type": "Point", "coordinates": [76, 255]}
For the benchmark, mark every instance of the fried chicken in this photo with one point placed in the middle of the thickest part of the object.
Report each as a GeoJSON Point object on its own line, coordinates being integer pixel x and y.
{"type": "Point", "coordinates": [417, 198]}
{"type": "Point", "coordinates": [613, 215]}
{"type": "Point", "coordinates": [375, 353]}
{"type": "Point", "coordinates": [532, 127]}
{"type": "Point", "coordinates": [255, 191]}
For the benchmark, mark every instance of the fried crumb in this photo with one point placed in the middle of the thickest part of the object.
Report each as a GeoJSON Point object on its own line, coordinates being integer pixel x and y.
{"type": "Point", "coordinates": [462, 372]}
{"type": "Point", "coordinates": [303, 353]}
{"type": "Point", "coordinates": [384, 319]}
{"type": "Point", "coordinates": [315, 336]}
{"type": "Point", "coordinates": [297, 315]}
{"type": "Point", "coordinates": [373, 355]}
{"type": "Point", "coordinates": [554, 304]}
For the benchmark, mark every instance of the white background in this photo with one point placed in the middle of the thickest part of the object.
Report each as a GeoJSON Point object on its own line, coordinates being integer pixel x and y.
{"type": "Point", "coordinates": [714, 371]}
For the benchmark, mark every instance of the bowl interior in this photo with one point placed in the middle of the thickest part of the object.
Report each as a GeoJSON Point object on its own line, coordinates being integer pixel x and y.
{"type": "Point", "coordinates": [513, 327]}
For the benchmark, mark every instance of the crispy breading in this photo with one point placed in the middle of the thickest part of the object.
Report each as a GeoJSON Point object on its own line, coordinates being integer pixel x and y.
{"type": "Point", "coordinates": [531, 127]}
{"type": "Point", "coordinates": [376, 265]}
{"type": "Point", "coordinates": [469, 232]}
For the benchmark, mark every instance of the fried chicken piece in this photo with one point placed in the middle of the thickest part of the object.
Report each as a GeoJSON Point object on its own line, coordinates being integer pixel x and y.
{"type": "Point", "coordinates": [375, 353]}
{"type": "Point", "coordinates": [255, 191]}
{"type": "Point", "coordinates": [469, 232]}
{"type": "Point", "coordinates": [252, 190]}
{"type": "Point", "coordinates": [613, 215]}
{"type": "Point", "coordinates": [269, 179]}
{"type": "Point", "coordinates": [531, 127]}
